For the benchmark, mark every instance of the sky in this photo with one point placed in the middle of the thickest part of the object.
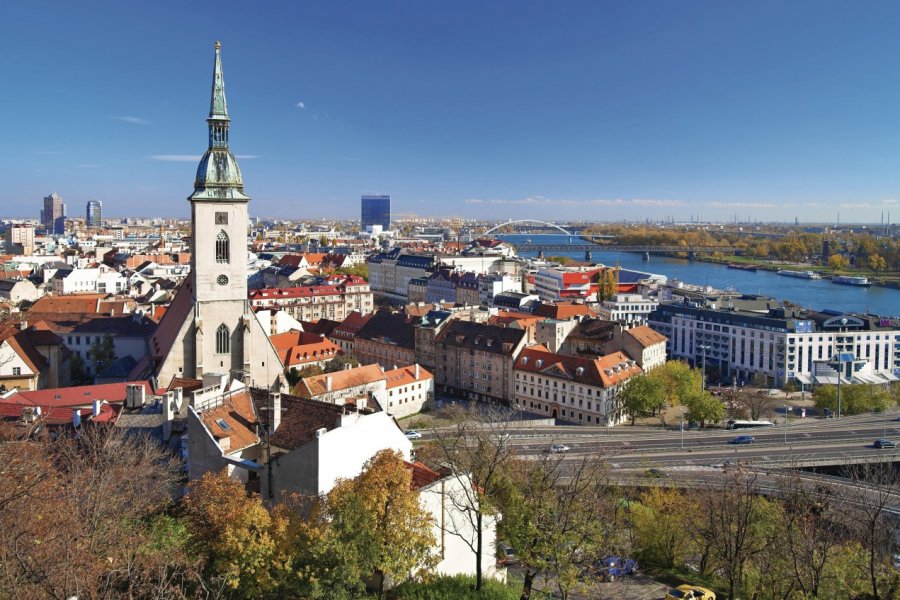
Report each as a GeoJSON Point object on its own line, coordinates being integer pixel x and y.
{"type": "Point", "coordinates": [598, 110]}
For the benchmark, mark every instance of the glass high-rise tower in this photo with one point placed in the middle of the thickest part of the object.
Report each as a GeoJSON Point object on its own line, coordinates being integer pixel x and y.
{"type": "Point", "coordinates": [93, 213]}
{"type": "Point", "coordinates": [375, 210]}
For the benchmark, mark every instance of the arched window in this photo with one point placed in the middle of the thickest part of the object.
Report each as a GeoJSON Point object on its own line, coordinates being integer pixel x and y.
{"type": "Point", "coordinates": [223, 340]}
{"type": "Point", "coordinates": [222, 252]}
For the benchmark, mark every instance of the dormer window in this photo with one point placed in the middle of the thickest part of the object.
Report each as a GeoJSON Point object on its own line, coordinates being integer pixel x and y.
{"type": "Point", "coordinates": [579, 371]}
{"type": "Point", "coordinates": [538, 363]}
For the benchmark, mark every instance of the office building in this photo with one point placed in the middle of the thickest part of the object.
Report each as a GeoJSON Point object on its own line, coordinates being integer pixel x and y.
{"type": "Point", "coordinates": [93, 217]}
{"type": "Point", "coordinates": [376, 210]}
{"type": "Point", "coordinates": [53, 215]}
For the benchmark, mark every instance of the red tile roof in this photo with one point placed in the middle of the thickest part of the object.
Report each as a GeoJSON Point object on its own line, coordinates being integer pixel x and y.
{"type": "Point", "coordinates": [237, 412]}
{"type": "Point", "coordinates": [406, 375]}
{"type": "Point", "coordinates": [421, 475]}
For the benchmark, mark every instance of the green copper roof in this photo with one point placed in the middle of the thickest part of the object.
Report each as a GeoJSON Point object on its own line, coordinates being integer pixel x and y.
{"type": "Point", "coordinates": [218, 108]}
{"type": "Point", "coordinates": [218, 174]}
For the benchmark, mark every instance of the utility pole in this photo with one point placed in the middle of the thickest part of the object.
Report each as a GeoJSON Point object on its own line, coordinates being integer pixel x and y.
{"type": "Point", "coordinates": [682, 428]}
{"type": "Point", "coordinates": [840, 376]}
{"type": "Point", "coordinates": [785, 423]}
{"type": "Point", "coordinates": [704, 348]}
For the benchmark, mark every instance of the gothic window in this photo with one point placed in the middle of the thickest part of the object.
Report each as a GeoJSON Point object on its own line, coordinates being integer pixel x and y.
{"type": "Point", "coordinates": [223, 340]}
{"type": "Point", "coordinates": [223, 254]}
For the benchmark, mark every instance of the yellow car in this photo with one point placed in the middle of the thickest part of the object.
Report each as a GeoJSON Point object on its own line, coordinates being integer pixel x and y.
{"type": "Point", "coordinates": [690, 592]}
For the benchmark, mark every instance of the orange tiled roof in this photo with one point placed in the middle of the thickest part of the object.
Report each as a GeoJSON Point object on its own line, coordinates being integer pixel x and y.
{"type": "Point", "coordinates": [645, 336]}
{"type": "Point", "coordinates": [406, 375]}
{"type": "Point", "coordinates": [317, 385]}
{"type": "Point", "coordinates": [237, 413]}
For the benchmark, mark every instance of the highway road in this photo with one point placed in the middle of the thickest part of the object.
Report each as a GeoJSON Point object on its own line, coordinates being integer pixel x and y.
{"type": "Point", "coordinates": [810, 442]}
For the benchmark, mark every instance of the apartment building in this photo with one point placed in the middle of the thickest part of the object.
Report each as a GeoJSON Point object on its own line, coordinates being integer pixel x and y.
{"type": "Point", "coordinates": [571, 388]}
{"type": "Point", "coordinates": [751, 337]}
{"type": "Point", "coordinates": [334, 300]}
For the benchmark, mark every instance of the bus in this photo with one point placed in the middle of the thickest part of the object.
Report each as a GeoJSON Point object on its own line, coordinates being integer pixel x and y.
{"type": "Point", "coordinates": [737, 424]}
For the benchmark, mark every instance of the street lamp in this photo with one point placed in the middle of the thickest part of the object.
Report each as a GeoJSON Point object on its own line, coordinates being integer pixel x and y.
{"type": "Point", "coordinates": [704, 348]}
{"type": "Point", "coordinates": [785, 423]}
{"type": "Point", "coordinates": [840, 376]}
{"type": "Point", "coordinates": [682, 428]}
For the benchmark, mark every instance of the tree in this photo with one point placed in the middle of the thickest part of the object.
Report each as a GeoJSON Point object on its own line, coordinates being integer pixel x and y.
{"type": "Point", "coordinates": [678, 380]}
{"type": "Point", "coordinates": [556, 517]}
{"type": "Point", "coordinates": [608, 284]}
{"type": "Point", "coordinates": [877, 263]}
{"type": "Point", "coordinates": [837, 262]}
{"type": "Point", "coordinates": [475, 452]}
{"type": "Point", "coordinates": [703, 407]}
{"type": "Point", "coordinates": [659, 523]}
{"type": "Point", "coordinates": [341, 362]}
{"type": "Point", "coordinates": [378, 515]}
{"type": "Point", "coordinates": [643, 394]}
{"type": "Point", "coordinates": [231, 531]}
{"type": "Point", "coordinates": [855, 399]}
{"type": "Point", "coordinates": [102, 353]}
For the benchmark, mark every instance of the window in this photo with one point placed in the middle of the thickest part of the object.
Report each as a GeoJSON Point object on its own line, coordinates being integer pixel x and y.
{"type": "Point", "coordinates": [223, 340]}
{"type": "Point", "coordinates": [17, 370]}
{"type": "Point", "coordinates": [222, 251]}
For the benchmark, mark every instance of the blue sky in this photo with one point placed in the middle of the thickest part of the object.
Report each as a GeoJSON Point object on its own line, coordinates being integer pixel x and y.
{"type": "Point", "coordinates": [557, 110]}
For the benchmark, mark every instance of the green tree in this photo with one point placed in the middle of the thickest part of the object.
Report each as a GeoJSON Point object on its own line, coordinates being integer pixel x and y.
{"type": "Point", "coordinates": [339, 363]}
{"type": "Point", "coordinates": [703, 407]}
{"type": "Point", "coordinates": [643, 394]}
{"type": "Point", "coordinates": [378, 514]}
{"type": "Point", "coordinates": [556, 517]}
{"type": "Point", "coordinates": [678, 379]}
{"type": "Point", "coordinates": [855, 399]}
{"type": "Point", "coordinates": [102, 353]}
{"type": "Point", "coordinates": [659, 524]}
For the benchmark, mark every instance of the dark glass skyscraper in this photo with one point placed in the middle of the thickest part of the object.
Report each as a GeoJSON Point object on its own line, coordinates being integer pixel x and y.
{"type": "Point", "coordinates": [93, 213]}
{"type": "Point", "coordinates": [376, 210]}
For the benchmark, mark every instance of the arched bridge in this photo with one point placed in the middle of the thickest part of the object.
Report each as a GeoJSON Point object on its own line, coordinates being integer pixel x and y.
{"type": "Point", "coordinates": [544, 223]}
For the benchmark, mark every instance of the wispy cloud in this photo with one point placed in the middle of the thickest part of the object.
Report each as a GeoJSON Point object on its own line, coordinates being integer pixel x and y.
{"type": "Point", "coordinates": [542, 201]}
{"type": "Point", "coordinates": [193, 157]}
{"type": "Point", "coordinates": [300, 104]}
{"type": "Point", "coordinates": [888, 203]}
{"type": "Point", "coordinates": [743, 204]}
{"type": "Point", "coordinates": [132, 120]}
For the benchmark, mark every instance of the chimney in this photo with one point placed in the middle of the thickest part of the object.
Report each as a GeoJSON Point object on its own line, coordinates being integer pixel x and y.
{"type": "Point", "coordinates": [328, 383]}
{"type": "Point", "coordinates": [76, 417]}
{"type": "Point", "coordinates": [321, 431]}
{"type": "Point", "coordinates": [417, 371]}
{"type": "Point", "coordinates": [361, 404]}
{"type": "Point", "coordinates": [134, 395]}
{"type": "Point", "coordinates": [275, 415]}
{"type": "Point", "coordinates": [95, 408]}
{"type": "Point", "coordinates": [23, 325]}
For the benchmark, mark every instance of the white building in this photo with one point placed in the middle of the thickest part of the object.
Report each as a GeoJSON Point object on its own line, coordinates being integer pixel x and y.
{"type": "Point", "coordinates": [628, 309]}
{"type": "Point", "coordinates": [408, 388]}
{"type": "Point", "coordinates": [102, 279]}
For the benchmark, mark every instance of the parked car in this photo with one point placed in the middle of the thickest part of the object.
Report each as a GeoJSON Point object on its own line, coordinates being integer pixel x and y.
{"type": "Point", "coordinates": [412, 434]}
{"type": "Point", "coordinates": [610, 567]}
{"type": "Point", "coordinates": [505, 554]}
{"type": "Point", "coordinates": [742, 439]}
{"type": "Point", "coordinates": [884, 443]}
{"type": "Point", "coordinates": [557, 448]}
{"type": "Point", "coordinates": [690, 592]}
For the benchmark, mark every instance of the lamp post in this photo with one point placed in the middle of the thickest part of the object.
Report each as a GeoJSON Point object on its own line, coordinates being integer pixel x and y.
{"type": "Point", "coordinates": [682, 428]}
{"type": "Point", "coordinates": [785, 423]}
{"type": "Point", "coordinates": [704, 348]}
{"type": "Point", "coordinates": [840, 376]}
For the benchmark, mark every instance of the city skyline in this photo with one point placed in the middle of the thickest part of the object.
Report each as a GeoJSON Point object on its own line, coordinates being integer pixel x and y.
{"type": "Point", "coordinates": [592, 111]}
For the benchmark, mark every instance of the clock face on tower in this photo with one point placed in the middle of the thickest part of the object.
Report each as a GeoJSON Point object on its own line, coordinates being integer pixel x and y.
{"type": "Point", "coordinates": [221, 218]}
{"type": "Point", "coordinates": [222, 280]}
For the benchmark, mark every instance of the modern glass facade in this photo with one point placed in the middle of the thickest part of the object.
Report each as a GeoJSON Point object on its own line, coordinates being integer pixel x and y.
{"type": "Point", "coordinates": [376, 210]}
{"type": "Point", "coordinates": [93, 213]}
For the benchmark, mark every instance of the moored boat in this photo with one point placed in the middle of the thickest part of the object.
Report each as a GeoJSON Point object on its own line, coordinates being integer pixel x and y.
{"type": "Point", "coordinates": [799, 274]}
{"type": "Point", "coordinates": [741, 267]}
{"type": "Point", "coordinates": [851, 280]}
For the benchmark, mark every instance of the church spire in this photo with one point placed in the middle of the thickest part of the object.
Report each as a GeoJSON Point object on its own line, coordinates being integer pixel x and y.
{"type": "Point", "coordinates": [218, 174]}
{"type": "Point", "coordinates": [218, 108]}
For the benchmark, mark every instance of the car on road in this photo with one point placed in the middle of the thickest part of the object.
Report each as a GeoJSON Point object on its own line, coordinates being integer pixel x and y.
{"type": "Point", "coordinates": [884, 443]}
{"type": "Point", "coordinates": [611, 567]}
{"type": "Point", "coordinates": [742, 439]}
{"type": "Point", "coordinates": [558, 448]}
{"type": "Point", "coordinates": [690, 592]}
{"type": "Point", "coordinates": [412, 434]}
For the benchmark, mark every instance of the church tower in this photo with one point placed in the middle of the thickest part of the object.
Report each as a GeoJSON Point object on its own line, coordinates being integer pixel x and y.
{"type": "Point", "coordinates": [210, 327]}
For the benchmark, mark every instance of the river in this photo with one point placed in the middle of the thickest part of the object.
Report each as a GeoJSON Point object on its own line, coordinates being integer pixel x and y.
{"type": "Point", "coordinates": [816, 294]}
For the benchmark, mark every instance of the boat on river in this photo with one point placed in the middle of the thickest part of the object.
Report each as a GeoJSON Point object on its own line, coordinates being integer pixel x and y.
{"type": "Point", "coordinates": [851, 280]}
{"type": "Point", "coordinates": [799, 274]}
{"type": "Point", "coordinates": [741, 267]}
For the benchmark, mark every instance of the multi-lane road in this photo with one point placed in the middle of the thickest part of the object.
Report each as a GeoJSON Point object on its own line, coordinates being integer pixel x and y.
{"type": "Point", "coordinates": [804, 442]}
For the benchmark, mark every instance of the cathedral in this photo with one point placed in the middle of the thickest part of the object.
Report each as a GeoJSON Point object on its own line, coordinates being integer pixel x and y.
{"type": "Point", "coordinates": [209, 327]}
